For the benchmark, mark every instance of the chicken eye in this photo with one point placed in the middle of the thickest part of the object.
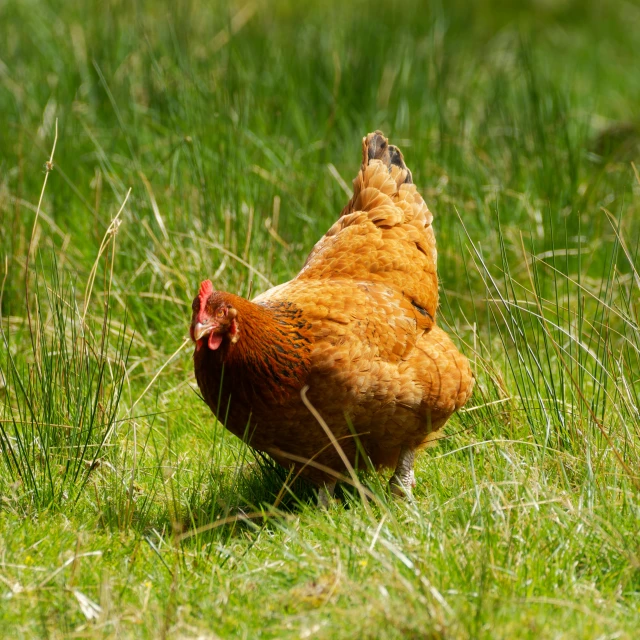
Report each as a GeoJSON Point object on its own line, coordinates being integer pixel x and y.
{"type": "Point", "coordinates": [220, 312]}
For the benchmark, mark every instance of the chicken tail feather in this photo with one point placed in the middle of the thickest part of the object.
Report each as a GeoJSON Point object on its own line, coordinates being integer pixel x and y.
{"type": "Point", "coordinates": [376, 147]}
{"type": "Point", "coordinates": [384, 234]}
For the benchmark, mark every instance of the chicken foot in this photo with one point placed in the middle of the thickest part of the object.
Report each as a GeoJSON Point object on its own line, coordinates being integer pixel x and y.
{"type": "Point", "coordinates": [325, 494]}
{"type": "Point", "coordinates": [403, 479]}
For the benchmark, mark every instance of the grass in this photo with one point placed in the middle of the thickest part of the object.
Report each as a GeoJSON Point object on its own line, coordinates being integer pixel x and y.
{"type": "Point", "coordinates": [214, 140]}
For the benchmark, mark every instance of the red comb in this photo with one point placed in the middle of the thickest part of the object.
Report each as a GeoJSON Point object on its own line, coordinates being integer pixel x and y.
{"type": "Point", "coordinates": [206, 289]}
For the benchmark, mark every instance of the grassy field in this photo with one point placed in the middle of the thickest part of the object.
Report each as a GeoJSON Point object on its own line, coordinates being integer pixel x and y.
{"type": "Point", "coordinates": [211, 140]}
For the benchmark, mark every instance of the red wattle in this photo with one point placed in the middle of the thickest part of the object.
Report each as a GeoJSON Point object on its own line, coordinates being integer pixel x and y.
{"type": "Point", "coordinates": [214, 341]}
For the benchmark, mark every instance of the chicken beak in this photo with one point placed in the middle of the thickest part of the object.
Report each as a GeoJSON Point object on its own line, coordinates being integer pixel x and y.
{"type": "Point", "coordinates": [200, 330]}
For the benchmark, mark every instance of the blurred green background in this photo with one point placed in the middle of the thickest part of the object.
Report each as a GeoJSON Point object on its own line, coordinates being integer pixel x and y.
{"type": "Point", "coordinates": [219, 105]}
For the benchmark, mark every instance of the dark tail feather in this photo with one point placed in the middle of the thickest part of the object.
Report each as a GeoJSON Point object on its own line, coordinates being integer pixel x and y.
{"type": "Point", "coordinates": [376, 147]}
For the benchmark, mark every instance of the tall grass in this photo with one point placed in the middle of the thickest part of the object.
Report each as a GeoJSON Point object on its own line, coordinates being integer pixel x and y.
{"type": "Point", "coordinates": [61, 395]}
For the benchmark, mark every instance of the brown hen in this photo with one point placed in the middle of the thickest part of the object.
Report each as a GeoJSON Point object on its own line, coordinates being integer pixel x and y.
{"type": "Point", "coordinates": [357, 326]}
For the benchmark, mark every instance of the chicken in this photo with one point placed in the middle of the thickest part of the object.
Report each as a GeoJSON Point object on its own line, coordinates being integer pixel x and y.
{"type": "Point", "coordinates": [356, 327]}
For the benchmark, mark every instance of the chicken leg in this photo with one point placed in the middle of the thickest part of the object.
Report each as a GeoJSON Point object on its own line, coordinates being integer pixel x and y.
{"type": "Point", "coordinates": [403, 479]}
{"type": "Point", "coordinates": [325, 494]}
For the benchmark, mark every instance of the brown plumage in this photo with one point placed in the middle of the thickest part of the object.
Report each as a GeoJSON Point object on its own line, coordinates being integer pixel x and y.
{"type": "Point", "coordinates": [357, 326]}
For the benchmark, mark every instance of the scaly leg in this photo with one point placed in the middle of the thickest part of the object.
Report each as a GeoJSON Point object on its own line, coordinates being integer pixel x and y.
{"type": "Point", "coordinates": [403, 478]}
{"type": "Point", "coordinates": [325, 494]}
